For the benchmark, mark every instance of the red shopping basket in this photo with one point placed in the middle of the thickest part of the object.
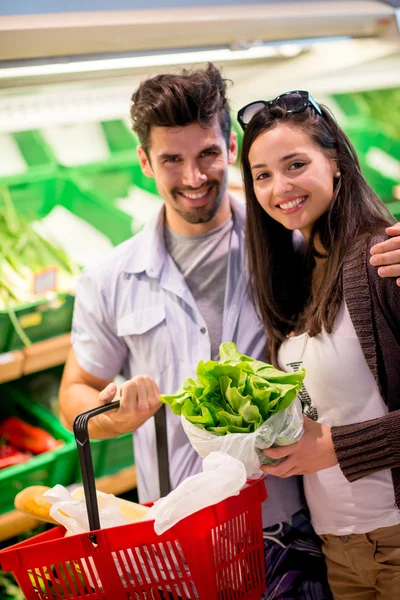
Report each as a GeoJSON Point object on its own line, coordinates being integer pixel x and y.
{"type": "Point", "coordinates": [215, 554]}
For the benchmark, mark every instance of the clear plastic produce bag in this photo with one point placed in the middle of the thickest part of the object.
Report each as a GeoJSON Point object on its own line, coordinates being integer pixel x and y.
{"type": "Point", "coordinates": [281, 429]}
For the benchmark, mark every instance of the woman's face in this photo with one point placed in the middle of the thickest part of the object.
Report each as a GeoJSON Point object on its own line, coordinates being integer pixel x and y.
{"type": "Point", "coordinates": [292, 177]}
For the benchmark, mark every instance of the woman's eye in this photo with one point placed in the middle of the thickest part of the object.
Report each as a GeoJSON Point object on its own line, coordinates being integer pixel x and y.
{"type": "Point", "coordinates": [262, 176]}
{"type": "Point", "coordinates": [297, 165]}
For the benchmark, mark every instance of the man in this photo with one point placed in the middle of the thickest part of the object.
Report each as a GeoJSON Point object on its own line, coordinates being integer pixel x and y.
{"type": "Point", "coordinates": [167, 298]}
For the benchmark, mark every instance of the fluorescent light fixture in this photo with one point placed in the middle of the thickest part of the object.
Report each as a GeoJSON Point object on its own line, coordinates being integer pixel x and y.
{"type": "Point", "coordinates": [287, 49]}
{"type": "Point", "coordinates": [136, 62]}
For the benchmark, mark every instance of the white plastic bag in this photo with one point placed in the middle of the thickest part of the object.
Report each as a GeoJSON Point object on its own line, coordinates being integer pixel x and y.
{"type": "Point", "coordinates": [222, 476]}
{"type": "Point", "coordinates": [72, 514]}
{"type": "Point", "coordinates": [282, 429]}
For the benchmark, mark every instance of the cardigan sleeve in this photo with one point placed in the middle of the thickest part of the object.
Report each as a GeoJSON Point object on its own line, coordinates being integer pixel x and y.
{"type": "Point", "coordinates": [364, 448]}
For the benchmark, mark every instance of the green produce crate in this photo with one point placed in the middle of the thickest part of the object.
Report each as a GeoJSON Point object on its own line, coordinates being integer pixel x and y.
{"type": "Point", "coordinates": [50, 468]}
{"type": "Point", "coordinates": [394, 208]}
{"type": "Point", "coordinates": [36, 199]}
{"type": "Point", "coordinates": [110, 456]}
{"type": "Point", "coordinates": [33, 200]}
{"type": "Point", "coordinates": [38, 157]}
{"type": "Point", "coordinates": [112, 178]}
{"type": "Point", "coordinates": [366, 137]}
{"type": "Point", "coordinates": [40, 321]}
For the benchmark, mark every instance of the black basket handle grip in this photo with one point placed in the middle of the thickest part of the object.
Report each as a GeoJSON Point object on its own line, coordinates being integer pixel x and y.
{"type": "Point", "coordinates": [80, 427]}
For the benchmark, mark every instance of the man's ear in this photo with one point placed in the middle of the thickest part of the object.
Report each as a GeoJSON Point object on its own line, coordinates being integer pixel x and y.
{"type": "Point", "coordinates": [144, 162]}
{"type": "Point", "coordinates": [232, 148]}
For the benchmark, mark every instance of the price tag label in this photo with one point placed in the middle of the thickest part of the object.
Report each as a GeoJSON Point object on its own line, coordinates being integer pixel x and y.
{"type": "Point", "coordinates": [45, 280]}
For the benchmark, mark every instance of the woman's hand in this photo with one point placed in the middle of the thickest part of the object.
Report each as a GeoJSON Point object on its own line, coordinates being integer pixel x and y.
{"type": "Point", "coordinates": [312, 453]}
{"type": "Point", "coordinates": [386, 255]}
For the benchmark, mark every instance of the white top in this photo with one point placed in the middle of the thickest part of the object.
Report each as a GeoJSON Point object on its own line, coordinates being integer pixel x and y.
{"type": "Point", "coordinates": [339, 389]}
{"type": "Point", "coordinates": [134, 313]}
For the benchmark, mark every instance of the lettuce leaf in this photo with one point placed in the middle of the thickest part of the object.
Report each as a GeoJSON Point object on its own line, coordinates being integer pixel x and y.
{"type": "Point", "coordinates": [235, 395]}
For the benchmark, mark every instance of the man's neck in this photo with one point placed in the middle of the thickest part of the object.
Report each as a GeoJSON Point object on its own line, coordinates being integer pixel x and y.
{"type": "Point", "coordinates": [178, 224]}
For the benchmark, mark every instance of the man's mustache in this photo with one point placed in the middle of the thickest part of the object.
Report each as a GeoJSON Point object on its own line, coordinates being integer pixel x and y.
{"type": "Point", "coordinates": [177, 190]}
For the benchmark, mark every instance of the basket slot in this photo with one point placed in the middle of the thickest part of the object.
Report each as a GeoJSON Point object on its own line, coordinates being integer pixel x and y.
{"type": "Point", "coordinates": [236, 552]}
{"type": "Point", "coordinates": [35, 583]}
{"type": "Point", "coordinates": [158, 571]}
{"type": "Point", "coordinates": [66, 591]}
{"type": "Point", "coordinates": [174, 589]}
{"type": "Point", "coordinates": [55, 592]}
{"type": "Point", "coordinates": [94, 582]}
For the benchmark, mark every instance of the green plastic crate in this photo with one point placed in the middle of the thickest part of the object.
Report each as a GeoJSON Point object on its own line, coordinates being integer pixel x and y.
{"type": "Point", "coordinates": [35, 199]}
{"type": "Point", "coordinates": [365, 137]}
{"type": "Point", "coordinates": [50, 468]}
{"type": "Point", "coordinates": [394, 208]}
{"type": "Point", "coordinates": [38, 157]}
{"type": "Point", "coordinates": [111, 179]}
{"type": "Point", "coordinates": [110, 456]}
{"type": "Point", "coordinates": [40, 321]}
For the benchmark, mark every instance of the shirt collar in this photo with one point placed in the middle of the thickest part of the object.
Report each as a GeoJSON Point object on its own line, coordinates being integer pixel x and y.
{"type": "Point", "coordinates": [151, 253]}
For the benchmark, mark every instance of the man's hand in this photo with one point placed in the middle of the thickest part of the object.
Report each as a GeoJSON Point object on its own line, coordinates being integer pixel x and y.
{"type": "Point", "coordinates": [312, 453]}
{"type": "Point", "coordinates": [386, 255]}
{"type": "Point", "coordinates": [140, 400]}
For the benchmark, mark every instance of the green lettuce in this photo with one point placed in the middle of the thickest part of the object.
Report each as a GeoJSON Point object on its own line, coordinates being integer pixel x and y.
{"type": "Point", "coordinates": [235, 395]}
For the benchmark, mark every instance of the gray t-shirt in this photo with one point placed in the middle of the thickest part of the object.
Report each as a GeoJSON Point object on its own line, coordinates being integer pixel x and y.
{"type": "Point", "coordinates": [203, 261]}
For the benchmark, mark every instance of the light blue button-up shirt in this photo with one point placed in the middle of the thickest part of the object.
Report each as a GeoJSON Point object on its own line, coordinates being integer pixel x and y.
{"type": "Point", "coordinates": [135, 314]}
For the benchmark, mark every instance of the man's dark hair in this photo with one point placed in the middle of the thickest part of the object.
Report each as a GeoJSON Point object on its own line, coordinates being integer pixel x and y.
{"type": "Point", "coordinates": [176, 100]}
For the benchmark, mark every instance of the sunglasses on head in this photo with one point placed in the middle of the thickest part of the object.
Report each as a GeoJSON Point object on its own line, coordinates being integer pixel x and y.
{"type": "Point", "coordinates": [292, 102]}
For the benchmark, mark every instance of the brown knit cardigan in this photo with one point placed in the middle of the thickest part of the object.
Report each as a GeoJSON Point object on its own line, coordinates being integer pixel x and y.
{"type": "Point", "coordinates": [374, 307]}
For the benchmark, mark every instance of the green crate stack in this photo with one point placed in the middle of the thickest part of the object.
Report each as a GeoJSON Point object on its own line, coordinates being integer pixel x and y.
{"type": "Point", "coordinates": [34, 199]}
{"type": "Point", "coordinates": [49, 468]}
{"type": "Point", "coordinates": [372, 122]}
{"type": "Point", "coordinates": [112, 178]}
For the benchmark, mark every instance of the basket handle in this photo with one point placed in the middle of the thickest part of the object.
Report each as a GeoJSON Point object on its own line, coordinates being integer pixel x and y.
{"type": "Point", "coordinates": [80, 427]}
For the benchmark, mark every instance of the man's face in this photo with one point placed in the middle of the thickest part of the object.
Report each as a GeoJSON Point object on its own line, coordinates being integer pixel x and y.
{"type": "Point", "coordinates": [190, 166]}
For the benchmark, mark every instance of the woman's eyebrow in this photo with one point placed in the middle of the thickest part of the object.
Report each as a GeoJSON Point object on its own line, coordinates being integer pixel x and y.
{"type": "Point", "coordinates": [286, 157]}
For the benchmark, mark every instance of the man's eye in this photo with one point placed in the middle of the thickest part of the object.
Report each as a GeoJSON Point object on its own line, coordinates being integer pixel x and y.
{"type": "Point", "coordinates": [209, 153]}
{"type": "Point", "coordinates": [172, 159]}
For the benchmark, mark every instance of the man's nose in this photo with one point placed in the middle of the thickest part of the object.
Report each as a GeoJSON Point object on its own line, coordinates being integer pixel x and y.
{"type": "Point", "coordinates": [193, 176]}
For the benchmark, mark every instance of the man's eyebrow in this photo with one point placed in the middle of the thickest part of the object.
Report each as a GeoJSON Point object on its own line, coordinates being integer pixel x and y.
{"type": "Point", "coordinates": [286, 157]}
{"type": "Point", "coordinates": [212, 148]}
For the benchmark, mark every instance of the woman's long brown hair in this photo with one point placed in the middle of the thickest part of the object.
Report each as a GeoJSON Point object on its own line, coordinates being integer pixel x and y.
{"type": "Point", "coordinates": [280, 270]}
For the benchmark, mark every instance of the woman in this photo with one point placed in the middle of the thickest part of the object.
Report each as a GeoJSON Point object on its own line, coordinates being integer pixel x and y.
{"type": "Point", "coordinates": [327, 310]}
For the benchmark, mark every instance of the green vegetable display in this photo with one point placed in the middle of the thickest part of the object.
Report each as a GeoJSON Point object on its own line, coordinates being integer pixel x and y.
{"type": "Point", "coordinates": [23, 252]}
{"type": "Point", "coordinates": [235, 395]}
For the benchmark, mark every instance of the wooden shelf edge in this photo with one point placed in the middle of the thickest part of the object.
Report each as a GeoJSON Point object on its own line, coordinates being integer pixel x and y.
{"type": "Point", "coordinates": [15, 522]}
{"type": "Point", "coordinates": [39, 356]}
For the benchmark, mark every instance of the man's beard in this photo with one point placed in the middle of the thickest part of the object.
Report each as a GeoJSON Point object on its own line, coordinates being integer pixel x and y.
{"type": "Point", "coordinates": [201, 214]}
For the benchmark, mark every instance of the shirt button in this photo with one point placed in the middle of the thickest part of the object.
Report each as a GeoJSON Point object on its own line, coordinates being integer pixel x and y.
{"type": "Point", "coordinates": [344, 538]}
{"type": "Point", "coordinates": [203, 330]}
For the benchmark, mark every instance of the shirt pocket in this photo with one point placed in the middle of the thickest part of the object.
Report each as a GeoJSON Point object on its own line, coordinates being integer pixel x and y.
{"type": "Point", "coordinates": [146, 335]}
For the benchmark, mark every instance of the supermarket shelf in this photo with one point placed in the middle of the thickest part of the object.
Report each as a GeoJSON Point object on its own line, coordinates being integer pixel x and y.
{"type": "Point", "coordinates": [16, 522]}
{"type": "Point", "coordinates": [38, 356]}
